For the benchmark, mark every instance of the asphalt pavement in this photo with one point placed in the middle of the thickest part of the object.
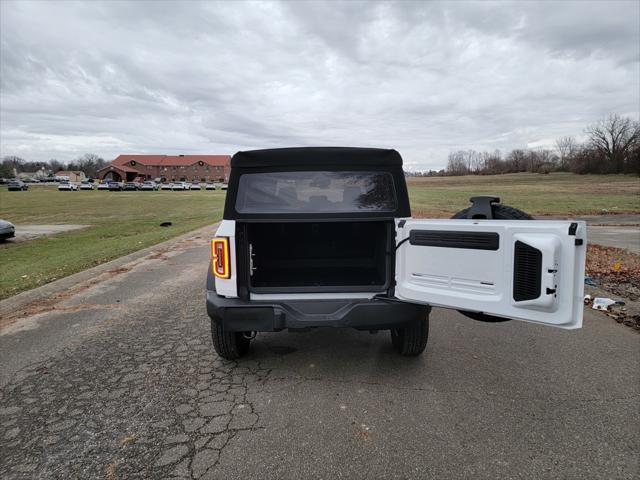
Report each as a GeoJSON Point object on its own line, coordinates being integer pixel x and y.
{"type": "Point", "coordinates": [620, 237]}
{"type": "Point", "coordinates": [620, 231]}
{"type": "Point", "coordinates": [117, 379]}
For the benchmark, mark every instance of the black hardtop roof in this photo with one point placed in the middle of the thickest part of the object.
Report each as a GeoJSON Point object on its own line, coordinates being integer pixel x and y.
{"type": "Point", "coordinates": [312, 156]}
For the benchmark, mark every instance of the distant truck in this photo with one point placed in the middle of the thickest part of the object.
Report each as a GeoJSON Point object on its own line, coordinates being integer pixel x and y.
{"type": "Point", "coordinates": [323, 237]}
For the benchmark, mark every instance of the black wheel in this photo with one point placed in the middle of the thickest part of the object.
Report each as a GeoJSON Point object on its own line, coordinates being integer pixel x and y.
{"type": "Point", "coordinates": [411, 340]}
{"type": "Point", "coordinates": [500, 212]}
{"type": "Point", "coordinates": [229, 345]}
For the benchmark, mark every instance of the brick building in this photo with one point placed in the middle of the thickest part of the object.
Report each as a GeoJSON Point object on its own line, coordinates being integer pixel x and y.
{"type": "Point", "coordinates": [71, 175]}
{"type": "Point", "coordinates": [168, 168]}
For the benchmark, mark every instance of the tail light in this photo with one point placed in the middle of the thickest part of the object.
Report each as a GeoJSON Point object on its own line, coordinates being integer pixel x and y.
{"type": "Point", "coordinates": [220, 257]}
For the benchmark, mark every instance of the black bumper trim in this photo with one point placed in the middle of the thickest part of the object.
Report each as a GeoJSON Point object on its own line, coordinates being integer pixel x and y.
{"type": "Point", "coordinates": [365, 314]}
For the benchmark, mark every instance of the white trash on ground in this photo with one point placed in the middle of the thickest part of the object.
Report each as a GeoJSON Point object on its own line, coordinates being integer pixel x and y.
{"type": "Point", "coordinates": [602, 303]}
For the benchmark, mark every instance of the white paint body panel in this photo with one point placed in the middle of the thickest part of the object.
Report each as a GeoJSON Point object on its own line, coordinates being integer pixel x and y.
{"type": "Point", "coordinates": [228, 287]}
{"type": "Point", "coordinates": [482, 280]}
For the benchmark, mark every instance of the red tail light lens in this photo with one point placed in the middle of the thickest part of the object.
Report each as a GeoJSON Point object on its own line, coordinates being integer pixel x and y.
{"type": "Point", "coordinates": [220, 257]}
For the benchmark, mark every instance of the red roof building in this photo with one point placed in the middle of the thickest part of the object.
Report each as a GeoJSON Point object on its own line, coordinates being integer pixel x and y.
{"type": "Point", "coordinates": [170, 168]}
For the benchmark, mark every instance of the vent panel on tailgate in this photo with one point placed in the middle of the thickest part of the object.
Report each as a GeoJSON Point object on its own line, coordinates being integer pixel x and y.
{"type": "Point", "coordinates": [455, 239]}
{"type": "Point", "coordinates": [527, 272]}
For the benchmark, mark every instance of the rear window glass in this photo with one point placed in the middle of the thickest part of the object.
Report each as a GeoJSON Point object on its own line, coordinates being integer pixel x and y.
{"type": "Point", "coordinates": [315, 192]}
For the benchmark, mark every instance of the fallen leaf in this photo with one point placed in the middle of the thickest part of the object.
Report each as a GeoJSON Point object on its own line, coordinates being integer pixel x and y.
{"type": "Point", "coordinates": [128, 439]}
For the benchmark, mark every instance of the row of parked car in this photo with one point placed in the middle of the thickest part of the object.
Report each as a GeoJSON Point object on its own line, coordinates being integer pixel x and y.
{"type": "Point", "coordinates": [148, 186]}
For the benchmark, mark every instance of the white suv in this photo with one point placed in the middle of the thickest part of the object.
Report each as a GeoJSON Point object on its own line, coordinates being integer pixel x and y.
{"type": "Point", "coordinates": [323, 237]}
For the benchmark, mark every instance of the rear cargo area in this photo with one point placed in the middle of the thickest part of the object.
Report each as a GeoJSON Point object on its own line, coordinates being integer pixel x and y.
{"type": "Point", "coordinates": [320, 256]}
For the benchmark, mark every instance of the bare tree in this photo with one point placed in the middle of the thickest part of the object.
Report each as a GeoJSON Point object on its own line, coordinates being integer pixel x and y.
{"type": "Point", "coordinates": [55, 165]}
{"type": "Point", "coordinates": [615, 138]}
{"type": "Point", "coordinates": [89, 163]}
{"type": "Point", "coordinates": [613, 146]}
{"type": "Point", "coordinates": [13, 161]}
{"type": "Point", "coordinates": [457, 163]}
{"type": "Point", "coordinates": [10, 165]}
{"type": "Point", "coordinates": [492, 162]}
{"type": "Point", "coordinates": [516, 161]}
{"type": "Point", "coordinates": [567, 147]}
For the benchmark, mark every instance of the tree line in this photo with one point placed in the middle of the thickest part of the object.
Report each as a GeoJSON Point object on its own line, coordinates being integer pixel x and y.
{"type": "Point", "coordinates": [612, 145]}
{"type": "Point", "coordinates": [89, 163]}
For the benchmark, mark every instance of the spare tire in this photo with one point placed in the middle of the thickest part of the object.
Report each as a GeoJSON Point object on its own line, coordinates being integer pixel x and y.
{"type": "Point", "coordinates": [500, 212]}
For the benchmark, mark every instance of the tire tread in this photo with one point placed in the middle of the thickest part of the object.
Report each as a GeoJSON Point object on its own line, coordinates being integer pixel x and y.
{"type": "Point", "coordinates": [411, 340]}
{"type": "Point", "coordinates": [229, 345]}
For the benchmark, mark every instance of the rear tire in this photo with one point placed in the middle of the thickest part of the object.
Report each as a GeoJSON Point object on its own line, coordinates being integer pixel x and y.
{"type": "Point", "coordinates": [229, 345]}
{"type": "Point", "coordinates": [411, 340]}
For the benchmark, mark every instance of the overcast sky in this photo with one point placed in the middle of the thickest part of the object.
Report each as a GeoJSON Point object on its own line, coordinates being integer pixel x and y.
{"type": "Point", "coordinates": [424, 78]}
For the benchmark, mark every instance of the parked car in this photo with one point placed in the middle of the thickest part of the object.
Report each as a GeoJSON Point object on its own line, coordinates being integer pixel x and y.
{"type": "Point", "coordinates": [17, 186]}
{"type": "Point", "coordinates": [223, 186]}
{"type": "Point", "coordinates": [67, 187]}
{"type": "Point", "coordinates": [334, 245]}
{"type": "Point", "coordinates": [149, 186]}
{"type": "Point", "coordinates": [167, 186]}
{"type": "Point", "coordinates": [7, 230]}
{"type": "Point", "coordinates": [116, 186]}
{"type": "Point", "coordinates": [103, 186]}
{"type": "Point", "coordinates": [180, 186]}
{"type": "Point", "coordinates": [194, 186]}
{"type": "Point", "coordinates": [86, 186]}
{"type": "Point", "coordinates": [209, 186]}
{"type": "Point", "coordinates": [130, 186]}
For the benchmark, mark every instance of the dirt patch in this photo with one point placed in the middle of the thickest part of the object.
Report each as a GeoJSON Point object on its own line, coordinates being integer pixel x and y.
{"type": "Point", "coordinates": [116, 271]}
{"type": "Point", "coordinates": [53, 303]}
{"type": "Point", "coordinates": [29, 232]}
{"type": "Point", "coordinates": [616, 267]}
{"type": "Point", "coordinates": [157, 256]}
{"type": "Point", "coordinates": [615, 273]}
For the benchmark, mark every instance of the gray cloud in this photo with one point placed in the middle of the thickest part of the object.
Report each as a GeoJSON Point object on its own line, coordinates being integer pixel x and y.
{"type": "Point", "coordinates": [424, 78]}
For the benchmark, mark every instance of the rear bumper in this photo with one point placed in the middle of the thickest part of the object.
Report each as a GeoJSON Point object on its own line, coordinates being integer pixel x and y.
{"type": "Point", "coordinates": [239, 315]}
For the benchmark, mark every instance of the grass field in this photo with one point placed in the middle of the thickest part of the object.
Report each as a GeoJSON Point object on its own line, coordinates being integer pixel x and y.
{"type": "Point", "coordinates": [123, 222]}
{"type": "Point", "coordinates": [552, 194]}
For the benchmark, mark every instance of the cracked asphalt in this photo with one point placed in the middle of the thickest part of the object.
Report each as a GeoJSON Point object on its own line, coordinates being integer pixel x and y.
{"type": "Point", "coordinates": [118, 380]}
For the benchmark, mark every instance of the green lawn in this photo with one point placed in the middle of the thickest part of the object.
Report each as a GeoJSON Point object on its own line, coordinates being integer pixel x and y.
{"type": "Point", "coordinates": [538, 194]}
{"type": "Point", "coordinates": [123, 222]}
